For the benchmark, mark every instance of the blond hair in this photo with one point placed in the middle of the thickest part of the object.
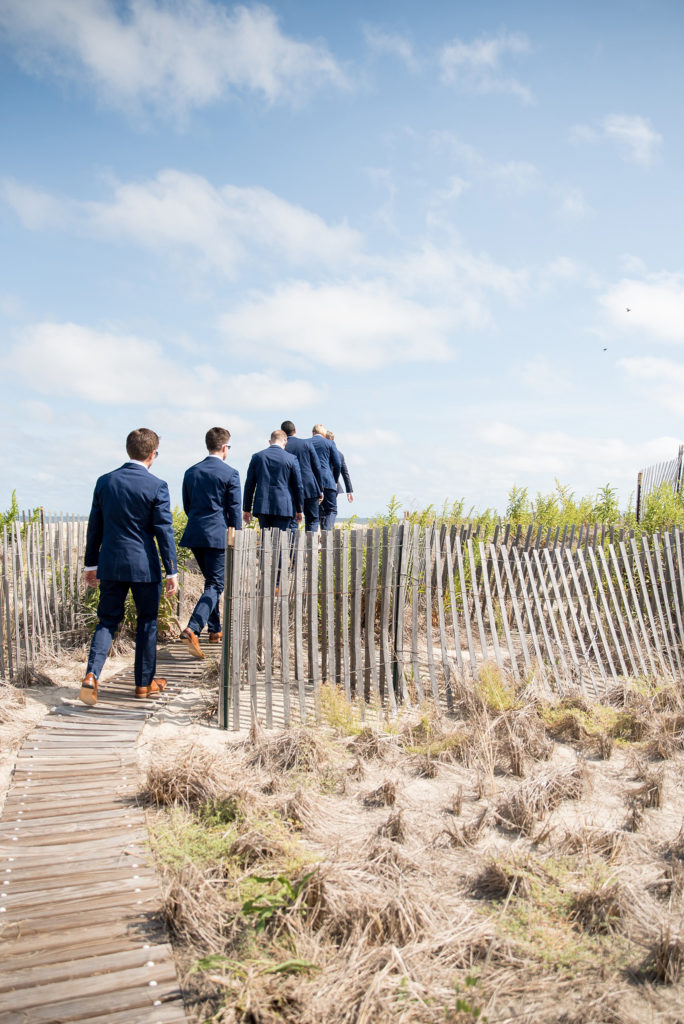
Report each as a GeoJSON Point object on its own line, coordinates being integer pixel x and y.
{"type": "Point", "coordinates": [318, 428]}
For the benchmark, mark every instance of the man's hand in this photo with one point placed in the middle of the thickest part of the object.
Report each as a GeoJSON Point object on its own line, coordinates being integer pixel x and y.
{"type": "Point", "coordinates": [350, 497]}
{"type": "Point", "coordinates": [299, 517]}
{"type": "Point", "coordinates": [171, 585]}
{"type": "Point", "coordinates": [246, 517]}
{"type": "Point", "coordinates": [320, 500]}
{"type": "Point", "coordinates": [90, 577]}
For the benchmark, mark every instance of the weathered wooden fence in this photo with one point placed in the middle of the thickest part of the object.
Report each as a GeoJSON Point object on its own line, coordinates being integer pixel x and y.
{"type": "Point", "coordinates": [399, 614]}
{"type": "Point", "coordinates": [651, 478]}
{"type": "Point", "coordinates": [40, 588]}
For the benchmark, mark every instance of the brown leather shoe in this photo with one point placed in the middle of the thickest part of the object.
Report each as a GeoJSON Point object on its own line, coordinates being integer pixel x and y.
{"type": "Point", "coordinates": [215, 638]}
{"type": "Point", "coordinates": [157, 687]}
{"type": "Point", "coordinates": [192, 643]}
{"type": "Point", "coordinates": [88, 692]}
{"type": "Point", "coordinates": [142, 692]}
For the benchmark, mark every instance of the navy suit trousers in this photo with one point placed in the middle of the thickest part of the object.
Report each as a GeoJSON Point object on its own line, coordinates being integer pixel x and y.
{"type": "Point", "coordinates": [110, 612]}
{"type": "Point", "coordinates": [329, 507]}
{"type": "Point", "coordinates": [268, 522]}
{"type": "Point", "coordinates": [207, 611]}
{"type": "Point", "coordinates": [311, 520]}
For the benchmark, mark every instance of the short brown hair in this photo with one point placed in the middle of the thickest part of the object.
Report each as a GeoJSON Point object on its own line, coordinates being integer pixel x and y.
{"type": "Point", "coordinates": [141, 443]}
{"type": "Point", "coordinates": [216, 438]}
{"type": "Point", "coordinates": [278, 435]}
{"type": "Point", "coordinates": [329, 434]}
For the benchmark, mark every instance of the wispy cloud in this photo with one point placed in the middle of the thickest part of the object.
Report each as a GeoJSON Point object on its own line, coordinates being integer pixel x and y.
{"type": "Point", "coordinates": [391, 43]}
{"type": "Point", "coordinates": [478, 66]}
{"type": "Point", "coordinates": [173, 56]}
{"type": "Point", "coordinates": [112, 368]}
{"type": "Point", "coordinates": [635, 137]}
{"type": "Point", "coordinates": [651, 308]}
{"type": "Point", "coordinates": [351, 325]}
{"type": "Point", "coordinates": [226, 225]}
{"type": "Point", "coordinates": [663, 379]}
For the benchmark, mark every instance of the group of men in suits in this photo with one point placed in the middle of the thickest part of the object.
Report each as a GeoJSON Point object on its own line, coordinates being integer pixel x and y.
{"type": "Point", "coordinates": [291, 480]}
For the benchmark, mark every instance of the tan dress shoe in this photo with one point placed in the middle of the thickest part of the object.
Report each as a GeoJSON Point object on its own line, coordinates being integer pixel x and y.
{"type": "Point", "coordinates": [157, 687]}
{"type": "Point", "coordinates": [88, 692]}
{"type": "Point", "coordinates": [215, 638]}
{"type": "Point", "coordinates": [142, 692]}
{"type": "Point", "coordinates": [192, 643]}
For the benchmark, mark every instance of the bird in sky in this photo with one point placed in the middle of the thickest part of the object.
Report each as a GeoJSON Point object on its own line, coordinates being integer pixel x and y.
{"type": "Point", "coordinates": [628, 309]}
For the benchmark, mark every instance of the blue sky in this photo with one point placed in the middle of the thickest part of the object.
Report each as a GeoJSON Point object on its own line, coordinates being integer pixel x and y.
{"type": "Point", "coordinates": [420, 224]}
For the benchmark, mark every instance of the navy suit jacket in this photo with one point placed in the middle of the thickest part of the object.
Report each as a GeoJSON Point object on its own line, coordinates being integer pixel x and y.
{"type": "Point", "coordinates": [344, 473]}
{"type": "Point", "coordinates": [309, 466]}
{"type": "Point", "coordinates": [211, 498]}
{"type": "Point", "coordinates": [330, 460]}
{"type": "Point", "coordinates": [131, 509]}
{"type": "Point", "coordinates": [274, 484]}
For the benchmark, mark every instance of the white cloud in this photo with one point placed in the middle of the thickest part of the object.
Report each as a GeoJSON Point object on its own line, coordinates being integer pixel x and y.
{"type": "Point", "coordinates": [35, 208]}
{"type": "Point", "coordinates": [640, 143]}
{"type": "Point", "coordinates": [570, 457]}
{"type": "Point", "coordinates": [476, 66]}
{"type": "Point", "coordinates": [110, 368]}
{"type": "Point", "coordinates": [573, 204]}
{"type": "Point", "coordinates": [173, 55]}
{"type": "Point", "coordinates": [392, 43]}
{"type": "Point", "coordinates": [655, 304]}
{"type": "Point", "coordinates": [637, 140]}
{"type": "Point", "coordinates": [664, 379]}
{"type": "Point", "coordinates": [356, 326]}
{"type": "Point", "coordinates": [176, 209]}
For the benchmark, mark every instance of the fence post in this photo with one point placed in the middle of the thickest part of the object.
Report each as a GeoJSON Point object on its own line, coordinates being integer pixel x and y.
{"type": "Point", "coordinates": [227, 646]}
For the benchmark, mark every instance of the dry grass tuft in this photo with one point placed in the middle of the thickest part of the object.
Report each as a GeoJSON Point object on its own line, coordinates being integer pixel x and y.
{"type": "Point", "coordinates": [384, 796]}
{"type": "Point", "coordinates": [464, 835]}
{"type": "Point", "coordinates": [387, 858]}
{"type": "Point", "coordinates": [196, 776]}
{"type": "Point", "coordinates": [541, 795]}
{"type": "Point", "coordinates": [425, 767]}
{"type": "Point", "coordinates": [259, 844]}
{"type": "Point", "coordinates": [607, 843]}
{"type": "Point", "coordinates": [667, 952]}
{"type": "Point", "coordinates": [600, 908]}
{"type": "Point", "coordinates": [294, 750]}
{"type": "Point", "coordinates": [352, 905]}
{"type": "Point", "coordinates": [300, 809]}
{"type": "Point", "coordinates": [30, 675]}
{"type": "Point", "coordinates": [456, 805]}
{"type": "Point", "coordinates": [370, 745]}
{"type": "Point", "coordinates": [650, 794]}
{"type": "Point", "coordinates": [394, 828]}
{"type": "Point", "coordinates": [502, 878]}
{"type": "Point", "coordinates": [357, 770]}
{"type": "Point", "coordinates": [195, 909]}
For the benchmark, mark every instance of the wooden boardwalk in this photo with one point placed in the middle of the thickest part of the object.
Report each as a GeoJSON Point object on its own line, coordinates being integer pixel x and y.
{"type": "Point", "coordinates": [81, 934]}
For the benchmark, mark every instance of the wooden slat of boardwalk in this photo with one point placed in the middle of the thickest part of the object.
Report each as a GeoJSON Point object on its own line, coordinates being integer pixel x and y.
{"type": "Point", "coordinates": [81, 935]}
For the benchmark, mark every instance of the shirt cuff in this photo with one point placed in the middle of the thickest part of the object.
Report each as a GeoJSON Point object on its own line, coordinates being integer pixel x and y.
{"type": "Point", "coordinates": [172, 576]}
{"type": "Point", "coordinates": [89, 568]}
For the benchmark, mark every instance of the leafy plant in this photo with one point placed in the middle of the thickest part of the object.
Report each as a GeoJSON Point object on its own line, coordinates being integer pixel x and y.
{"type": "Point", "coordinates": [266, 905]}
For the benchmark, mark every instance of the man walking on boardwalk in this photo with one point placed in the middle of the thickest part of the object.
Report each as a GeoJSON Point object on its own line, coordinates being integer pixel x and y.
{"type": "Point", "coordinates": [211, 499]}
{"type": "Point", "coordinates": [309, 466]}
{"type": "Point", "coordinates": [130, 511]}
{"type": "Point", "coordinates": [331, 466]}
{"type": "Point", "coordinates": [344, 476]}
{"type": "Point", "coordinates": [273, 488]}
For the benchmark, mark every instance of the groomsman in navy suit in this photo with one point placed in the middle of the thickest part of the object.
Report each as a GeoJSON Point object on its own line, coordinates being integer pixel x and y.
{"type": "Point", "coordinates": [309, 466]}
{"type": "Point", "coordinates": [331, 467]}
{"type": "Point", "coordinates": [344, 480]}
{"type": "Point", "coordinates": [273, 488]}
{"type": "Point", "coordinates": [211, 498]}
{"type": "Point", "coordinates": [130, 511]}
